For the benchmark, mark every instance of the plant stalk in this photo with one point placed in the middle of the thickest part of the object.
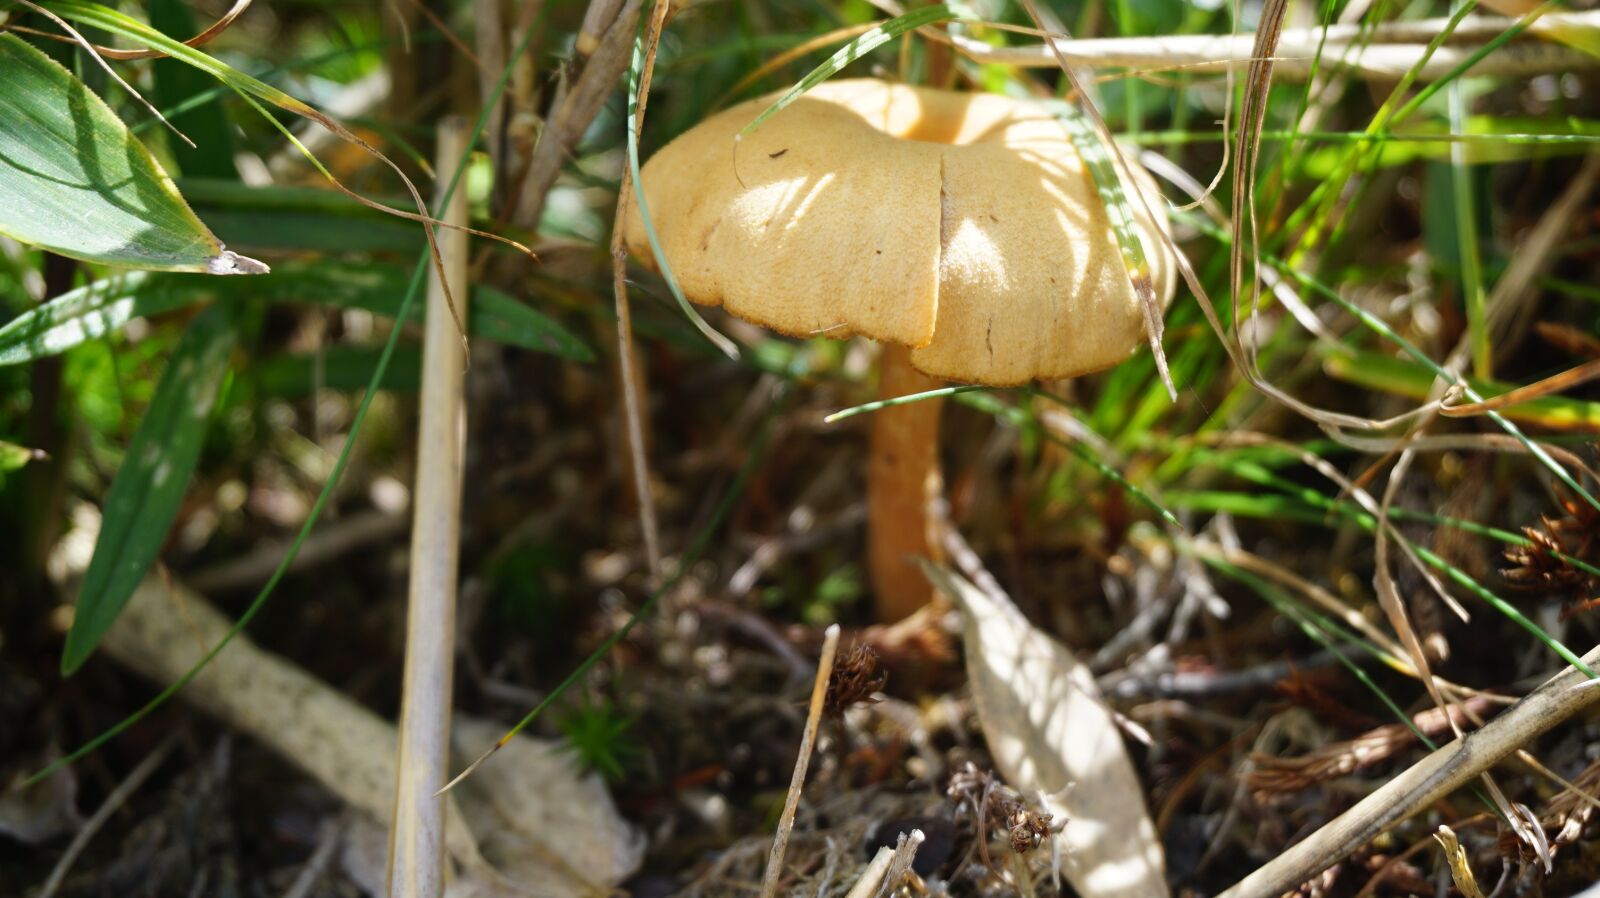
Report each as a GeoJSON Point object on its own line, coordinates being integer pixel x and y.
{"type": "Point", "coordinates": [417, 831]}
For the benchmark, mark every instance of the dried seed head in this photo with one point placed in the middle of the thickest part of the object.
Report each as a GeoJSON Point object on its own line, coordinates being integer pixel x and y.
{"type": "Point", "coordinates": [1539, 565]}
{"type": "Point", "coordinates": [994, 804]}
{"type": "Point", "coordinates": [856, 676]}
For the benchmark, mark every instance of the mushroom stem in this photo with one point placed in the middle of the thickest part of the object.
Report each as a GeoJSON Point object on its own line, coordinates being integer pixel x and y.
{"type": "Point", "coordinates": [903, 477]}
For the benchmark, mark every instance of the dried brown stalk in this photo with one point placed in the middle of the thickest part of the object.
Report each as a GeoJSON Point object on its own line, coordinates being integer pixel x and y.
{"type": "Point", "coordinates": [1280, 775]}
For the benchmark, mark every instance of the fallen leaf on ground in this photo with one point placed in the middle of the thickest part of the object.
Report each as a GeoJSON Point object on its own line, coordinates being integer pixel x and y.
{"type": "Point", "coordinates": [1050, 734]}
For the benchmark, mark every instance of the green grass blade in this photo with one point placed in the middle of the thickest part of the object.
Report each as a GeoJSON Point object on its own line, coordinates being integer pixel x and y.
{"type": "Point", "coordinates": [635, 73]}
{"type": "Point", "coordinates": [853, 51]}
{"type": "Point", "coordinates": [1381, 328]}
{"type": "Point", "coordinates": [1108, 185]}
{"type": "Point", "coordinates": [879, 404]}
{"type": "Point", "coordinates": [100, 308]}
{"type": "Point", "coordinates": [122, 25]}
{"type": "Point", "coordinates": [148, 489]}
{"type": "Point", "coordinates": [984, 401]}
{"type": "Point", "coordinates": [79, 184]}
{"type": "Point", "coordinates": [1350, 511]}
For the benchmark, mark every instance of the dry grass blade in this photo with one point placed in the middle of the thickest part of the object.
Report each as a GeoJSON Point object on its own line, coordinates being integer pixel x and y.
{"type": "Point", "coordinates": [220, 25]}
{"type": "Point", "coordinates": [575, 111]}
{"type": "Point", "coordinates": [1454, 442]}
{"type": "Point", "coordinates": [500, 827]}
{"type": "Point", "coordinates": [98, 56]}
{"type": "Point", "coordinates": [1555, 383]}
{"type": "Point", "coordinates": [790, 55]}
{"type": "Point", "coordinates": [1279, 775]}
{"type": "Point", "coordinates": [1424, 783]}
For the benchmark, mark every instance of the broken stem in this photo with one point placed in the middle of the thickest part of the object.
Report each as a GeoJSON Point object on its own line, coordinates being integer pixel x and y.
{"type": "Point", "coordinates": [819, 694]}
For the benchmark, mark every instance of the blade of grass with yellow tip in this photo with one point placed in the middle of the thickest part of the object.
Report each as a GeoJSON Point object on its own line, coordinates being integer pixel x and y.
{"type": "Point", "coordinates": [861, 46]}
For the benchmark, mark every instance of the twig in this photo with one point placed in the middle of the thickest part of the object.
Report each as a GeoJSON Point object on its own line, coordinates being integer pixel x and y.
{"type": "Point", "coordinates": [905, 851]}
{"type": "Point", "coordinates": [327, 843]}
{"type": "Point", "coordinates": [327, 544]}
{"type": "Point", "coordinates": [118, 797]}
{"type": "Point", "coordinates": [1424, 783]}
{"type": "Point", "coordinates": [416, 836]}
{"type": "Point", "coordinates": [576, 111]}
{"type": "Point", "coordinates": [819, 692]}
{"type": "Point", "coordinates": [1392, 49]}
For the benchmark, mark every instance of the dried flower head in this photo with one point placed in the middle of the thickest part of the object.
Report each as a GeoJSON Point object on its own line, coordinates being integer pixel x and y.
{"type": "Point", "coordinates": [856, 676]}
{"type": "Point", "coordinates": [992, 803]}
{"type": "Point", "coordinates": [1540, 565]}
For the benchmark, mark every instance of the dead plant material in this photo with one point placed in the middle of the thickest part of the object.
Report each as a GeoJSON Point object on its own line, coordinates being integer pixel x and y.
{"type": "Point", "coordinates": [855, 678]}
{"type": "Point", "coordinates": [994, 805]}
{"type": "Point", "coordinates": [1564, 817]}
{"type": "Point", "coordinates": [1546, 564]}
{"type": "Point", "coordinates": [1278, 776]}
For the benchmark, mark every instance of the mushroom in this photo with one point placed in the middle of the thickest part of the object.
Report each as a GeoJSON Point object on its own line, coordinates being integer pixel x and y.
{"type": "Point", "coordinates": [961, 230]}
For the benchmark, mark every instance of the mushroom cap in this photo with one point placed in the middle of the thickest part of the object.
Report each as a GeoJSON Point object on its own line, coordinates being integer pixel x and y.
{"type": "Point", "coordinates": [962, 225]}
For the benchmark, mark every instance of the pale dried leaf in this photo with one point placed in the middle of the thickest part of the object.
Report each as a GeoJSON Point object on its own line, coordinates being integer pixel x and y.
{"type": "Point", "coordinates": [1050, 734]}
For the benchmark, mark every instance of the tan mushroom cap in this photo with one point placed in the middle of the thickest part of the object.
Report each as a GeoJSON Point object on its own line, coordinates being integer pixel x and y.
{"type": "Point", "coordinates": [962, 225]}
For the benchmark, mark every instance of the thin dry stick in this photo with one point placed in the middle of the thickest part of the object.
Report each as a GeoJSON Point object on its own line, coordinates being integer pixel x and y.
{"type": "Point", "coordinates": [575, 112]}
{"type": "Point", "coordinates": [905, 851]}
{"type": "Point", "coordinates": [118, 797]}
{"type": "Point", "coordinates": [1427, 781]}
{"type": "Point", "coordinates": [632, 411]}
{"type": "Point", "coordinates": [867, 885]}
{"type": "Point", "coordinates": [416, 836]}
{"type": "Point", "coordinates": [819, 693]}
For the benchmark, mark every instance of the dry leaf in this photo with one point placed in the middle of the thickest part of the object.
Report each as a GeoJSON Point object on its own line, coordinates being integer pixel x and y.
{"type": "Point", "coordinates": [526, 825]}
{"type": "Point", "coordinates": [1049, 733]}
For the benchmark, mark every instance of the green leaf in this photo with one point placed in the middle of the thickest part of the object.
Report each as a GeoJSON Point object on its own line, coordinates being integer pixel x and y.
{"type": "Point", "coordinates": [293, 376]}
{"type": "Point", "coordinates": [13, 456]}
{"type": "Point", "coordinates": [79, 184]}
{"type": "Point", "coordinates": [176, 83]}
{"type": "Point", "coordinates": [102, 307]}
{"type": "Point", "coordinates": [145, 495]}
{"type": "Point", "coordinates": [298, 218]}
